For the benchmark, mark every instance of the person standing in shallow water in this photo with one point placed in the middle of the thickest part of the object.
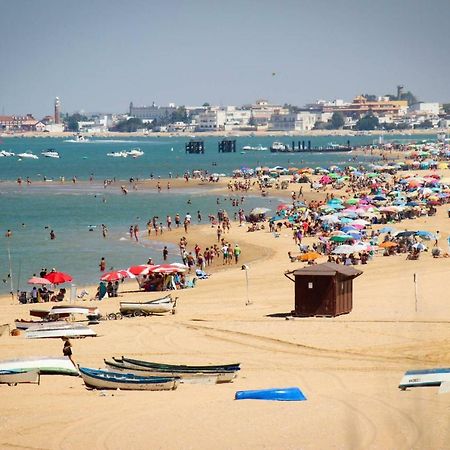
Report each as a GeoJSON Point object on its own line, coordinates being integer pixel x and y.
{"type": "Point", "coordinates": [52, 235]}
{"type": "Point", "coordinates": [102, 264]}
{"type": "Point", "coordinates": [165, 253]}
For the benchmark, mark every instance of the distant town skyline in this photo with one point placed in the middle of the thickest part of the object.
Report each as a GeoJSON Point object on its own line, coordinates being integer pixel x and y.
{"type": "Point", "coordinates": [101, 55]}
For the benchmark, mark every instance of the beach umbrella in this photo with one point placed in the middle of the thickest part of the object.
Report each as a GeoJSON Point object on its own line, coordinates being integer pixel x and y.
{"type": "Point", "coordinates": [426, 235]}
{"type": "Point", "coordinates": [348, 228]}
{"type": "Point", "coordinates": [167, 269]}
{"type": "Point", "coordinates": [142, 269]}
{"type": "Point", "coordinates": [330, 218]}
{"type": "Point", "coordinates": [406, 233]}
{"type": "Point", "coordinates": [341, 238]}
{"type": "Point", "coordinates": [309, 256]}
{"type": "Point", "coordinates": [258, 211]}
{"type": "Point", "coordinates": [387, 230]}
{"type": "Point", "coordinates": [116, 275]}
{"type": "Point", "coordinates": [388, 244]}
{"type": "Point", "coordinates": [343, 250]}
{"type": "Point", "coordinates": [38, 280]}
{"type": "Point", "coordinates": [58, 277]}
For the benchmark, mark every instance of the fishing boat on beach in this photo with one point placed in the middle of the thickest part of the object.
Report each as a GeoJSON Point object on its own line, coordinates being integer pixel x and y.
{"type": "Point", "coordinates": [185, 377]}
{"type": "Point", "coordinates": [60, 330]}
{"type": "Point", "coordinates": [103, 379]}
{"type": "Point", "coordinates": [67, 311]}
{"type": "Point", "coordinates": [45, 365]}
{"type": "Point", "coordinates": [224, 374]}
{"type": "Point", "coordinates": [13, 377]}
{"type": "Point", "coordinates": [425, 377]}
{"type": "Point", "coordinates": [158, 306]}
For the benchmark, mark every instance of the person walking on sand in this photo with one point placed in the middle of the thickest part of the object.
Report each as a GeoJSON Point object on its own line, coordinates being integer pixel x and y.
{"type": "Point", "coordinates": [237, 253]}
{"type": "Point", "coordinates": [169, 223]}
{"type": "Point", "coordinates": [67, 349]}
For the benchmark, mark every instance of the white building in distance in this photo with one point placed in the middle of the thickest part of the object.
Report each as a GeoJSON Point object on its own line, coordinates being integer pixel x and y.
{"type": "Point", "coordinates": [429, 108]}
{"type": "Point", "coordinates": [302, 121]}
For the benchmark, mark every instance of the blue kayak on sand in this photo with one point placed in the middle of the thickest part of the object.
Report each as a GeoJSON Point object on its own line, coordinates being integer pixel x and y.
{"type": "Point", "coordinates": [279, 394]}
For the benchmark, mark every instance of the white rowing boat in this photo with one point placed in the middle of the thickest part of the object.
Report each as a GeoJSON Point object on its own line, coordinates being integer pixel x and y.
{"type": "Point", "coordinates": [13, 377]}
{"type": "Point", "coordinates": [158, 306]}
{"type": "Point", "coordinates": [102, 379]}
{"type": "Point", "coordinates": [61, 330]}
{"type": "Point", "coordinates": [58, 365]}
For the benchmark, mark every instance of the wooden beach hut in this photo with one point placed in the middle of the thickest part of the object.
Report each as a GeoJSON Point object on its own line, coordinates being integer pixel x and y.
{"type": "Point", "coordinates": [323, 289]}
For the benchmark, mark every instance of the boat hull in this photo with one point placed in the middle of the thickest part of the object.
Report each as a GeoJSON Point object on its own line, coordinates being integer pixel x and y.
{"type": "Point", "coordinates": [422, 378]}
{"type": "Point", "coordinates": [125, 381]}
{"type": "Point", "coordinates": [13, 377]}
{"type": "Point", "coordinates": [158, 306]}
{"type": "Point", "coordinates": [45, 365]}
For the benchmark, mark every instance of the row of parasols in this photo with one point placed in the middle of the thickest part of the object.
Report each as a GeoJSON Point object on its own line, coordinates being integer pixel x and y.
{"type": "Point", "coordinates": [56, 277]}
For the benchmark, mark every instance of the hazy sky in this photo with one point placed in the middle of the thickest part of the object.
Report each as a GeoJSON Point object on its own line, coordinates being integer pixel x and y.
{"type": "Point", "coordinates": [98, 55]}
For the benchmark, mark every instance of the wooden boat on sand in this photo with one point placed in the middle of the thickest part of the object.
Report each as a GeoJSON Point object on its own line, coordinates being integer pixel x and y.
{"type": "Point", "coordinates": [65, 329]}
{"type": "Point", "coordinates": [186, 378]}
{"type": "Point", "coordinates": [102, 379]}
{"type": "Point", "coordinates": [13, 377]}
{"type": "Point", "coordinates": [157, 306]}
{"type": "Point", "coordinates": [45, 365]}
{"type": "Point", "coordinates": [211, 368]}
{"type": "Point", "coordinates": [222, 374]}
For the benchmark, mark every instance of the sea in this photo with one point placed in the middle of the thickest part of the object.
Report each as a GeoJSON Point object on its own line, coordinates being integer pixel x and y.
{"type": "Point", "coordinates": [76, 211]}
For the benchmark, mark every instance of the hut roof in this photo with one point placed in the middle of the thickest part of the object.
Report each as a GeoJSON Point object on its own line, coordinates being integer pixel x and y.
{"type": "Point", "coordinates": [327, 269]}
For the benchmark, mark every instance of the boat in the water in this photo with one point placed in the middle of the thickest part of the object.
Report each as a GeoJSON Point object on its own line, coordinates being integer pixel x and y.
{"type": "Point", "coordinates": [257, 148]}
{"type": "Point", "coordinates": [80, 138]}
{"type": "Point", "coordinates": [28, 155]}
{"type": "Point", "coordinates": [46, 365]}
{"type": "Point", "coordinates": [135, 152]}
{"type": "Point", "coordinates": [425, 377]}
{"type": "Point", "coordinates": [279, 147]}
{"type": "Point", "coordinates": [185, 377]}
{"type": "Point", "coordinates": [206, 368]}
{"type": "Point", "coordinates": [50, 153]}
{"type": "Point", "coordinates": [117, 154]}
{"type": "Point", "coordinates": [6, 154]}
{"type": "Point", "coordinates": [103, 379]}
{"type": "Point", "coordinates": [13, 377]}
{"type": "Point", "coordinates": [158, 306]}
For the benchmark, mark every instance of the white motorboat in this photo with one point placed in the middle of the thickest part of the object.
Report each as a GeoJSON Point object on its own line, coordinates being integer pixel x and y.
{"type": "Point", "coordinates": [279, 147]}
{"type": "Point", "coordinates": [28, 155]}
{"type": "Point", "coordinates": [118, 154]}
{"type": "Point", "coordinates": [4, 153]}
{"type": "Point", "coordinates": [58, 365]}
{"type": "Point", "coordinates": [258, 148]}
{"type": "Point", "coordinates": [50, 153]}
{"type": "Point", "coordinates": [80, 138]}
{"type": "Point", "coordinates": [135, 152]}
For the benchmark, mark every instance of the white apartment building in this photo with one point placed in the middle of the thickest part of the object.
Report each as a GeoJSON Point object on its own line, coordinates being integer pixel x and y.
{"type": "Point", "coordinates": [303, 121]}
{"type": "Point", "coordinates": [211, 120]}
{"type": "Point", "coordinates": [429, 108]}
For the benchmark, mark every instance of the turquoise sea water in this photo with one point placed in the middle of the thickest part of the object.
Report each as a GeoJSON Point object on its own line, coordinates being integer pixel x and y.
{"type": "Point", "coordinates": [70, 210]}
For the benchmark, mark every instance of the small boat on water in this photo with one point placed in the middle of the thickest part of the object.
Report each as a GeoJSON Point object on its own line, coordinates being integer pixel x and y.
{"type": "Point", "coordinates": [13, 377]}
{"type": "Point", "coordinates": [135, 152]}
{"type": "Point", "coordinates": [158, 306]}
{"type": "Point", "coordinates": [117, 154]}
{"type": "Point", "coordinates": [6, 154]}
{"type": "Point", "coordinates": [50, 153]}
{"type": "Point", "coordinates": [425, 377]}
{"type": "Point", "coordinates": [102, 379]}
{"type": "Point", "coordinates": [46, 365]}
{"type": "Point", "coordinates": [257, 148]}
{"type": "Point", "coordinates": [195, 377]}
{"type": "Point", "coordinates": [28, 155]}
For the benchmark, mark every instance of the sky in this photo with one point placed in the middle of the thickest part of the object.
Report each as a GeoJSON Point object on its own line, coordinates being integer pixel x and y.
{"type": "Point", "coordinates": [98, 55]}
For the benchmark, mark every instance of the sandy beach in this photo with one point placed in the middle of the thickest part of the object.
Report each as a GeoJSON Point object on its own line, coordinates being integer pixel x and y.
{"type": "Point", "coordinates": [349, 367]}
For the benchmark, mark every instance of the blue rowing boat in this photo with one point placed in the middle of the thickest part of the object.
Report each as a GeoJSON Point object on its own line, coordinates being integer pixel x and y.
{"type": "Point", "coordinates": [278, 394]}
{"type": "Point", "coordinates": [103, 379]}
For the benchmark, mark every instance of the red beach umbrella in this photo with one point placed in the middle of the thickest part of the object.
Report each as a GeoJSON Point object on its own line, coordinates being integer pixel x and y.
{"type": "Point", "coordinates": [38, 280]}
{"type": "Point", "coordinates": [142, 269]}
{"type": "Point", "coordinates": [167, 268]}
{"type": "Point", "coordinates": [115, 275]}
{"type": "Point", "coordinates": [58, 277]}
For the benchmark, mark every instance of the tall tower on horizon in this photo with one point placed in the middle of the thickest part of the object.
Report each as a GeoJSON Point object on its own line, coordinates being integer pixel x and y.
{"type": "Point", "coordinates": [57, 110]}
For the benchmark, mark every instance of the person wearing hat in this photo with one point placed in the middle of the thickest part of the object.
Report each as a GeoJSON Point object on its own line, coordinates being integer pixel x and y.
{"type": "Point", "coordinates": [237, 253]}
